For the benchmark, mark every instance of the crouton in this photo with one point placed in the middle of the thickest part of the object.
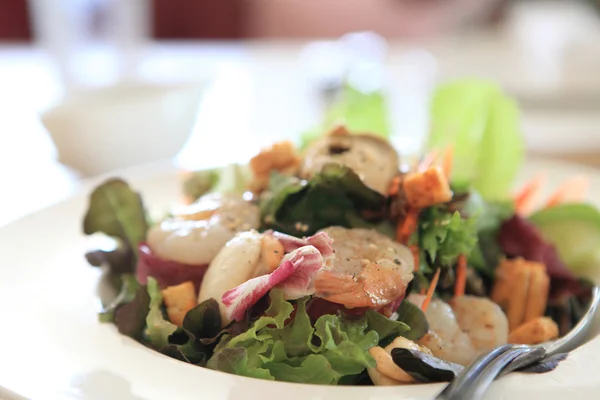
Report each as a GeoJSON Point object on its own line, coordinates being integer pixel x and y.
{"type": "Point", "coordinates": [179, 300]}
{"type": "Point", "coordinates": [521, 289]}
{"type": "Point", "coordinates": [539, 330]}
{"type": "Point", "coordinates": [425, 189]}
{"type": "Point", "coordinates": [279, 156]}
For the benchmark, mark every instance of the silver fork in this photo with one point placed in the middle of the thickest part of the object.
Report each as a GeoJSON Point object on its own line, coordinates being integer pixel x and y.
{"type": "Point", "coordinates": [474, 381]}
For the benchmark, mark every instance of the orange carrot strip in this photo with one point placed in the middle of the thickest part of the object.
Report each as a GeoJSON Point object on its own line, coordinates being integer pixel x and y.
{"type": "Point", "coordinates": [422, 292]}
{"type": "Point", "coordinates": [525, 197]}
{"type": "Point", "coordinates": [415, 253]}
{"type": "Point", "coordinates": [573, 190]}
{"type": "Point", "coordinates": [394, 186]}
{"type": "Point", "coordinates": [405, 229]}
{"type": "Point", "coordinates": [461, 276]}
{"type": "Point", "coordinates": [431, 290]}
{"type": "Point", "coordinates": [448, 161]}
{"type": "Point", "coordinates": [427, 161]}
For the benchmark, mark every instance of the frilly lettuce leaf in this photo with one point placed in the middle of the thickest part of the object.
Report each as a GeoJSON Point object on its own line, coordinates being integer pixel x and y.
{"type": "Point", "coordinates": [335, 196]}
{"type": "Point", "coordinates": [194, 341]}
{"type": "Point", "coordinates": [117, 211]}
{"type": "Point", "coordinates": [285, 345]}
{"type": "Point", "coordinates": [158, 328]}
{"type": "Point", "coordinates": [489, 217]}
{"type": "Point", "coordinates": [482, 123]}
{"type": "Point", "coordinates": [443, 235]}
{"type": "Point", "coordinates": [359, 111]}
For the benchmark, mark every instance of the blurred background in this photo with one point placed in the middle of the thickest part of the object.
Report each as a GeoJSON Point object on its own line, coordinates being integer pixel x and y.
{"type": "Point", "coordinates": [89, 86]}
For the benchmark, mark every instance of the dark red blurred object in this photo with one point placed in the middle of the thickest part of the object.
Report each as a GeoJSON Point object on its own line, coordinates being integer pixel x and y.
{"type": "Point", "coordinates": [197, 19]}
{"type": "Point", "coordinates": [520, 238]}
{"type": "Point", "coordinates": [166, 272]}
{"type": "Point", "coordinates": [14, 20]}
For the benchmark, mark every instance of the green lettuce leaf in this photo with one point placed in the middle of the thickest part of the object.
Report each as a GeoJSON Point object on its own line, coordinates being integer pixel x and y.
{"type": "Point", "coordinates": [443, 235]}
{"type": "Point", "coordinates": [158, 328]}
{"type": "Point", "coordinates": [335, 196]}
{"type": "Point", "coordinates": [195, 340]}
{"type": "Point", "coordinates": [129, 288]}
{"type": "Point", "coordinates": [482, 123]}
{"type": "Point", "coordinates": [130, 318]}
{"type": "Point", "coordinates": [359, 111]}
{"type": "Point", "coordinates": [414, 318]}
{"type": "Point", "coordinates": [488, 217]}
{"type": "Point", "coordinates": [323, 352]}
{"type": "Point", "coordinates": [117, 211]}
{"type": "Point", "coordinates": [231, 179]}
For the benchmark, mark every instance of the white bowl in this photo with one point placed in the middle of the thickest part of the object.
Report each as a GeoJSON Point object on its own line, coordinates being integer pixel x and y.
{"type": "Point", "coordinates": [98, 130]}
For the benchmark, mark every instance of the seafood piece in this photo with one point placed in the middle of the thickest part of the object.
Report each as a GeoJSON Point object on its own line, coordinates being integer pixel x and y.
{"type": "Point", "coordinates": [387, 373]}
{"type": "Point", "coordinates": [521, 288]}
{"type": "Point", "coordinates": [196, 233]}
{"type": "Point", "coordinates": [462, 330]}
{"type": "Point", "coordinates": [251, 264]}
{"type": "Point", "coordinates": [372, 158]}
{"type": "Point", "coordinates": [369, 269]}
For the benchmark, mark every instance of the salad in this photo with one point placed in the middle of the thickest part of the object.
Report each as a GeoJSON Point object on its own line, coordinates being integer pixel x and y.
{"type": "Point", "coordinates": [334, 261]}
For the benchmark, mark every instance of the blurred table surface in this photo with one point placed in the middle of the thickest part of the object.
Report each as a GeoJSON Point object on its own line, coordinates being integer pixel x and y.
{"type": "Point", "coordinates": [554, 75]}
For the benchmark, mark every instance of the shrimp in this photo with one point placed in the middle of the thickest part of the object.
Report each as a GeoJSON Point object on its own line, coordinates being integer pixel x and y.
{"type": "Point", "coordinates": [195, 234]}
{"type": "Point", "coordinates": [369, 269]}
{"type": "Point", "coordinates": [463, 329]}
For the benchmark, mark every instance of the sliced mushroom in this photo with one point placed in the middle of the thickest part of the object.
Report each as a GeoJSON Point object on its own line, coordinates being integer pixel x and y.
{"type": "Point", "coordinates": [372, 158]}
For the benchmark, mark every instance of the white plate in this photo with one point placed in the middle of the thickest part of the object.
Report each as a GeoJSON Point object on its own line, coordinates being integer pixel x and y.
{"type": "Point", "coordinates": [52, 347]}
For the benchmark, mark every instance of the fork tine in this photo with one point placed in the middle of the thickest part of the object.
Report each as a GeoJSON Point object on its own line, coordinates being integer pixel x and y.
{"type": "Point", "coordinates": [482, 382]}
{"type": "Point", "coordinates": [469, 374]}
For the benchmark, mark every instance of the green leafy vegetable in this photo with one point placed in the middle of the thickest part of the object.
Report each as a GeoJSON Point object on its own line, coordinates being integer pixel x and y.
{"type": "Point", "coordinates": [424, 367]}
{"type": "Point", "coordinates": [414, 317]}
{"type": "Point", "coordinates": [575, 231]}
{"type": "Point", "coordinates": [335, 196]}
{"type": "Point", "coordinates": [117, 211]}
{"type": "Point", "coordinates": [204, 320]}
{"type": "Point", "coordinates": [488, 217]}
{"type": "Point", "coordinates": [444, 235]}
{"type": "Point", "coordinates": [130, 318]}
{"type": "Point", "coordinates": [120, 260]}
{"type": "Point", "coordinates": [386, 327]}
{"type": "Point", "coordinates": [482, 124]}
{"type": "Point", "coordinates": [129, 288]}
{"type": "Point", "coordinates": [323, 352]}
{"type": "Point", "coordinates": [231, 179]}
{"type": "Point", "coordinates": [194, 341]}
{"type": "Point", "coordinates": [158, 328]}
{"type": "Point", "coordinates": [357, 110]}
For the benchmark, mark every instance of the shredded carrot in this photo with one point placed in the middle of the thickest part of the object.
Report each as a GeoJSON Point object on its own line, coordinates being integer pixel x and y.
{"type": "Point", "coordinates": [448, 161]}
{"type": "Point", "coordinates": [525, 197]}
{"type": "Point", "coordinates": [415, 253]}
{"type": "Point", "coordinates": [461, 276]}
{"type": "Point", "coordinates": [431, 290]}
{"type": "Point", "coordinates": [427, 161]}
{"type": "Point", "coordinates": [394, 186]}
{"type": "Point", "coordinates": [408, 226]}
{"type": "Point", "coordinates": [572, 190]}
